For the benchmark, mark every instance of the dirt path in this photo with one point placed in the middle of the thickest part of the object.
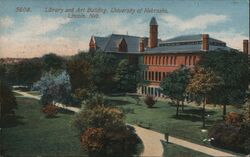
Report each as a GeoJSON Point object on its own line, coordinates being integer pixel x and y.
{"type": "Point", "coordinates": [152, 140]}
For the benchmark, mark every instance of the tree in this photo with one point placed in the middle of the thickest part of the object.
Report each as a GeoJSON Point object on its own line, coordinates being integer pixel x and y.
{"type": "Point", "coordinates": [53, 62]}
{"type": "Point", "coordinates": [232, 67]}
{"type": "Point", "coordinates": [126, 76]}
{"type": "Point", "coordinates": [202, 83]}
{"type": "Point", "coordinates": [174, 86]}
{"type": "Point", "coordinates": [7, 99]}
{"type": "Point", "coordinates": [103, 71]}
{"type": "Point", "coordinates": [54, 88]}
{"type": "Point", "coordinates": [79, 71]}
{"type": "Point", "coordinates": [25, 72]}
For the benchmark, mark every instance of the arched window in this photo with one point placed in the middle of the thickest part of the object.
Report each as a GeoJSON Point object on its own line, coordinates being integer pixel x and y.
{"type": "Point", "coordinates": [186, 60]}
{"type": "Point", "coordinates": [194, 60]}
{"type": "Point", "coordinates": [190, 59]}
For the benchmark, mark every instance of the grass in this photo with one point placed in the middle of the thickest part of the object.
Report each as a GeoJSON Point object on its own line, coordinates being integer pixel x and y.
{"type": "Point", "coordinates": [30, 133]}
{"type": "Point", "coordinates": [162, 118]}
{"type": "Point", "coordinates": [172, 150]}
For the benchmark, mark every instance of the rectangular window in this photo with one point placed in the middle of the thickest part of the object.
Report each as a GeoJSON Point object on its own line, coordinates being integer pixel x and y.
{"type": "Point", "coordinates": [186, 60]}
{"type": "Point", "coordinates": [167, 60]}
{"type": "Point", "coordinates": [175, 60]}
{"type": "Point", "coordinates": [156, 76]}
{"type": "Point", "coordinates": [149, 59]}
{"type": "Point", "coordinates": [149, 75]}
{"type": "Point", "coordinates": [194, 60]}
{"type": "Point", "coordinates": [153, 75]}
{"type": "Point", "coordinates": [156, 60]}
{"type": "Point", "coordinates": [145, 75]}
{"type": "Point", "coordinates": [190, 58]}
{"type": "Point", "coordinates": [160, 76]}
{"type": "Point", "coordinates": [163, 60]}
{"type": "Point", "coordinates": [171, 60]}
{"type": "Point", "coordinates": [152, 62]}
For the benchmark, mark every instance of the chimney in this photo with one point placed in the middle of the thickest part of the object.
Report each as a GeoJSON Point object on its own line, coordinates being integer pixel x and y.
{"type": "Point", "coordinates": [141, 46]}
{"type": "Point", "coordinates": [205, 42]}
{"type": "Point", "coordinates": [245, 46]}
{"type": "Point", "coordinates": [153, 33]}
{"type": "Point", "coordinates": [92, 45]}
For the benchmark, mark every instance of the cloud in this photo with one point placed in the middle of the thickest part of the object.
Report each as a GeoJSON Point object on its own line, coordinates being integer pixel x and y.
{"type": "Point", "coordinates": [36, 25]}
{"type": "Point", "coordinates": [31, 39]}
{"type": "Point", "coordinates": [231, 37]}
{"type": "Point", "coordinates": [197, 22]}
{"type": "Point", "coordinates": [6, 22]}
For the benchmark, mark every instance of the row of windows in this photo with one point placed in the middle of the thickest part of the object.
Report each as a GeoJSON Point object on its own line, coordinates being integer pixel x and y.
{"type": "Point", "coordinates": [154, 75]}
{"type": "Point", "coordinates": [151, 91]}
{"type": "Point", "coordinates": [180, 43]}
{"type": "Point", "coordinates": [160, 60]}
{"type": "Point", "coordinates": [168, 60]}
{"type": "Point", "coordinates": [190, 60]}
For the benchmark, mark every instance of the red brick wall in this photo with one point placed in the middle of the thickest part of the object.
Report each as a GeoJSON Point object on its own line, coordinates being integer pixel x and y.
{"type": "Point", "coordinates": [161, 64]}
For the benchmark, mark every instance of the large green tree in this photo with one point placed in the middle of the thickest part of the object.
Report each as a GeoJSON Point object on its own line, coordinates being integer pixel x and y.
{"type": "Point", "coordinates": [174, 86]}
{"type": "Point", "coordinates": [232, 67]}
{"type": "Point", "coordinates": [201, 84]}
{"type": "Point", "coordinates": [126, 76]}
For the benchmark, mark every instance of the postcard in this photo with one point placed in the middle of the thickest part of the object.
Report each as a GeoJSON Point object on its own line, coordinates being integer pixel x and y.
{"type": "Point", "coordinates": [103, 78]}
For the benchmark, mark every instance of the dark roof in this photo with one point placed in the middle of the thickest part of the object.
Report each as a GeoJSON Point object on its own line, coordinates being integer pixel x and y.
{"type": "Point", "coordinates": [153, 21]}
{"type": "Point", "coordinates": [182, 49]}
{"type": "Point", "coordinates": [194, 37]}
{"type": "Point", "coordinates": [110, 43]}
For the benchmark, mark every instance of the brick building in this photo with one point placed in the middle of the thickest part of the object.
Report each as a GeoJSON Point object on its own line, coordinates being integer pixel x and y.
{"type": "Point", "coordinates": [157, 57]}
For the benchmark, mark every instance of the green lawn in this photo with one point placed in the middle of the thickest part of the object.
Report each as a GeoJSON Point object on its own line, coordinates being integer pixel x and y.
{"type": "Point", "coordinates": [162, 118]}
{"type": "Point", "coordinates": [32, 134]}
{"type": "Point", "coordinates": [172, 150]}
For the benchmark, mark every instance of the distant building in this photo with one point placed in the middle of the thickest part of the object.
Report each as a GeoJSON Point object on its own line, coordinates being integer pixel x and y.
{"type": "Point", "coordinates": [157, 58]}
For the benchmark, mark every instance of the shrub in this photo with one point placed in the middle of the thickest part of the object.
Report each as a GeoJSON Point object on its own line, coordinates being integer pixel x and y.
{"type": "Point", "coordinates": [149, 101]}
{"type": "Point", "coordinates": [50, 110]}
{"type": "Point", "coordinates": [233, 118]}
{"type": "Point", "coordinates": [104, 133]}
{"type": "Point", "coordinates": [92, 139]}
{"type": "Point", "coordinates": [230, 136]}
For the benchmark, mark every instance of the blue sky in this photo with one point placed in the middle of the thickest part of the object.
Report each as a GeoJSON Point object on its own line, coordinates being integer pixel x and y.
{"type": "Point", "coordinates": [38, 32]}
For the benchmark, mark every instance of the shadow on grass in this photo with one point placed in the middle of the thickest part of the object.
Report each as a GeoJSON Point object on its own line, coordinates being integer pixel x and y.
{"type": "Point", "coordinates": [117, 102]}
{"type": "Point", "coordinates": [64, 111]}
{"type": "Point", "coordinates": [197, 112]}
{"type": "Point", "coordinates": [11, 121]}
{"type": "Point", "coordinates": [193, 118]}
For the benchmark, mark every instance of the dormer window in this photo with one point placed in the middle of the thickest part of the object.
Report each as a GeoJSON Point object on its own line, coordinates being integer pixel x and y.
{"type": "Point", "coordinates": [122, 47]}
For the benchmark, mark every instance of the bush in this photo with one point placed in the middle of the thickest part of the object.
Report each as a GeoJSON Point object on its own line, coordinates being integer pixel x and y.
{"type": "Point", "coordinates": [233, 118]}
{"type": "Point", "coordinates": [230, 136]}
{"type": "Point", "coordinates": [149, 101]}
{"type": "Point", "coordinates": [92, 139]}
{"type": "Point", "coordinates": [50, 110]}
{"type": "Point", "coordinates": [104, 133]}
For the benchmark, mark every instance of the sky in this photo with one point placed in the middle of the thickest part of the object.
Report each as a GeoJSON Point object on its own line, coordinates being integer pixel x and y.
{"type": "Point", "coordinates": [48, 28]}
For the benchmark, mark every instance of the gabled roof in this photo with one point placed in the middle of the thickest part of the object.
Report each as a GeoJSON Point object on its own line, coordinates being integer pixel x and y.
{"type": "Point", "coordinates": [110, 43]}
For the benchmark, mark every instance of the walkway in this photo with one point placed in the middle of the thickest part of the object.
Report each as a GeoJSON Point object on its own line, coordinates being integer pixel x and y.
{"type": "Point", "coordinates": [152, 140]}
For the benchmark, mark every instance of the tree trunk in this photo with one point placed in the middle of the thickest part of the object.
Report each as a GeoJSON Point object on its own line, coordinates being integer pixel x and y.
{"type": "Point", "coordinates": [177, 108]}
{"type": "Point", "coordinates": [224, 111]}
{"type": "Point", "coordinates": [203, 112]}
{"type": "Point", "coordinates": [182, 105]}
